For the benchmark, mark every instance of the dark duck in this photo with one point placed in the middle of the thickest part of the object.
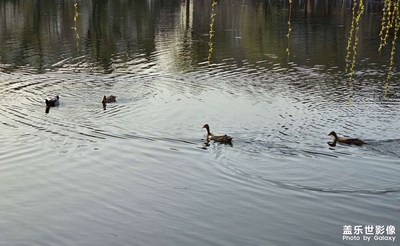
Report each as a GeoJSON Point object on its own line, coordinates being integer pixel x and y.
{"type": "Point", "coordinates": [217, 138]}
{"type": "Point", "coordinates": [52, 102]}
{"type": "Point", "coordinates": [354, 141]}
{"type": "Point", "coordinates": [109, 99]}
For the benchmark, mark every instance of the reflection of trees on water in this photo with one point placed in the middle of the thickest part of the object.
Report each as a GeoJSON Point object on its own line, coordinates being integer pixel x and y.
{"type": "Point", "coordinates": [41, 33]}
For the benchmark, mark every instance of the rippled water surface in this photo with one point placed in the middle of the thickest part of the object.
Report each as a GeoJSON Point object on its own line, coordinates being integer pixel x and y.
{"type": "Point", "coordinates": [138, 172]}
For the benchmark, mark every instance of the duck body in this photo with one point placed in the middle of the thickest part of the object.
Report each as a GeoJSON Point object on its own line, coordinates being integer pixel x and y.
{"type": "Point", "coordinates": [109, 99]}
{"type": "Point", "coordinates": [52, 101]}
{"type": "Point", "coordinates": [354, 141]}
{"type": "Point", "coordinates": [217, 138]}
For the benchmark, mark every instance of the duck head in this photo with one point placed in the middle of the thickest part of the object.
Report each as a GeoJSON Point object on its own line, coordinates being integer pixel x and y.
{"type": "Point", "coordinates": [207, 128]}
{"type": "Point", "coordinates": [333, 133]}
{"type": "Point", "coordinates": [104, 99]}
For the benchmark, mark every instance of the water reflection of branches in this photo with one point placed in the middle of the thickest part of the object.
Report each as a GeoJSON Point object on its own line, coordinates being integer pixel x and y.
{"type": "Point", "coordinates": [210, 50]}
{"type": "Point", "coordinates": [289, 28]}
{"type": "Point", "coordinates": [76, 15]}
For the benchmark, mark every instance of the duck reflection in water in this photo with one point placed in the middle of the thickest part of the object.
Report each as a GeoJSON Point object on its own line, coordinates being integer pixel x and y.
{"type": "Point", "coordinates": [224, 139]}
{"type": "Point", "coordinates": [353, 141]}
{"type": "Point", "coordinates": [52, 101]}
{"type": "Point", "coordinates": [109, 99]}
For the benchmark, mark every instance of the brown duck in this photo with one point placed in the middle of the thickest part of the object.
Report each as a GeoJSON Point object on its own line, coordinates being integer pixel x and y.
{"type": "Point", "coordinates": [109, 99]}
{"type": "Point", "coordinates": [354, 141]}
{"type": "Point", "coordinates": [221, 138]}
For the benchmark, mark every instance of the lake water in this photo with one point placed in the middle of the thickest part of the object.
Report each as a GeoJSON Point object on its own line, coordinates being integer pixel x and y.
{"type": "Point", "coordinates": [138, 171]}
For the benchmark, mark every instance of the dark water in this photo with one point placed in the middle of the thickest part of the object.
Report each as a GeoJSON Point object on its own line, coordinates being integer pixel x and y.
{"type": "Point", "coordinates": [138, 172]}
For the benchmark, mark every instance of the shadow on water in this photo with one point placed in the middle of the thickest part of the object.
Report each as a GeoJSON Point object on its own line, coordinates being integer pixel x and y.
{"type": "Point", "coordinates": [207, 144]}
{"type": "Point", "coordinates": [47, 110]}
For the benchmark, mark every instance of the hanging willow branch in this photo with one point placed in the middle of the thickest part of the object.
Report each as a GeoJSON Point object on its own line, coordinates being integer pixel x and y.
{"type": "Point", "coordinates": [352, 42]}
{"type": "Point", "coordinates": [390, 24]}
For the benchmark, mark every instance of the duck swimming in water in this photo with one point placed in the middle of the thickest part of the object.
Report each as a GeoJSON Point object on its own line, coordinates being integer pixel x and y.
{"type": "Point", "coordinates": [221, 139]}
{"type": "Point", "coordinates": [109, 99]}
{"type": "Point", "coordinates": [354, 141]}
{"type": "Point", "coordinates": [52, 101]}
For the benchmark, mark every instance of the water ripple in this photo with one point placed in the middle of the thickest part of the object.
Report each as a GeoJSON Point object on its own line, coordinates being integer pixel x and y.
{"type": "Point", "coordinates": [280, 118]}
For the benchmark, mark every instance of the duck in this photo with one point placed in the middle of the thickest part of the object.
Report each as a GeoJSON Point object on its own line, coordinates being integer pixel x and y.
{"type": "Point", "coordinates": [109, 99]}
{"type": "Point", "coordinates": [354, 141]}
{"type": "Point", "coordinates": [217, 138]}
{"type": "Point", "coordinates": [52, 101]}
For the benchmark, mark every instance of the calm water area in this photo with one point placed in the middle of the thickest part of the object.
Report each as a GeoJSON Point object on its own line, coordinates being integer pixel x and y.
{"type": "Point", "coordinates": [138, 171]}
